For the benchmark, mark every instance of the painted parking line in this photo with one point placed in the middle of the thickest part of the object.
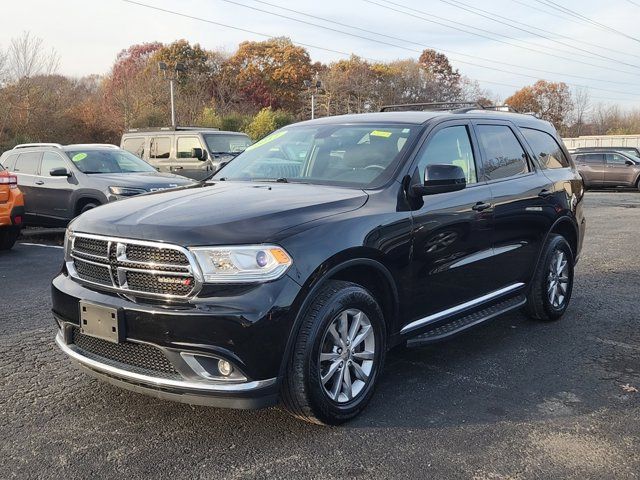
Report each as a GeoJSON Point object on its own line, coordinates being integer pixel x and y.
{"type": "Point", "coordinates": [39, 245]}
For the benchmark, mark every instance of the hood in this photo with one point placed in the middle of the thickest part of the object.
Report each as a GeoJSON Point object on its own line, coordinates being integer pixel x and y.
{"type": "Point", "coordinates": [222, 213]}
{"type": "Point", "coordinates": [141, 179]}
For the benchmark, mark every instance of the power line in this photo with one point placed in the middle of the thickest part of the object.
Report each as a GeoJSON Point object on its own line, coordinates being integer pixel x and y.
{"type": "Point", "coordinates": [633, 3]}
{"type": "Point", "coordinates": [192, 17]}
{"type": "Point", "coordinates": [422, 45]}
{"type": "Point", "coordinates": [510, 23]}
{"type": "Point", "coordinates": [484, 36]}
{"type": "Point", "coordinates": [573, 13]}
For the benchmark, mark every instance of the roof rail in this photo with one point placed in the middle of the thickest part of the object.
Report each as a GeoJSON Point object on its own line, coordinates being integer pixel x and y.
{"type": "Point", "coordinates": [432, 106]}
{"type": "Point", "coordinates": [169, 129]}
{"type": "Point", "coordinates": [502, 108]}
{"type": "Point", "coordinates": [89, 145]}
{"type": "Point", "coordinates": [31, 145]}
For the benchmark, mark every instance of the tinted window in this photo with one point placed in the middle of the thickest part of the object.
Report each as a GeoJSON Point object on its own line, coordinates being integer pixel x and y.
{"type": "Point", "coordinates": [185, 144]}
{"type": "Point", "coordinates": [450, 146]}
{"type": "Point", "coordinates": [134, 145]}
{"type": "Point", "coordinates": [504, 156]}
{"type": "Point", "coordinates": [10, 161]}
{"type": "Point", "coordinates": [546, 148]}
{"type": "Point", "coordinates": [51, 160]}
{"type": "Point", "coordinates": [359, 155]}
{"type": "Point", "coordinates": [160, 147]}
{"type": "Point", "coordinates": [108, 161]}
{"type": "Point", "coordinates": [224, 143]}
{"type": "Point", "coordinates": [593, 158]}
{"type": "Point", "coordinates": [616, 159]}
{"type": "Point", "coordinates": [28, 163]}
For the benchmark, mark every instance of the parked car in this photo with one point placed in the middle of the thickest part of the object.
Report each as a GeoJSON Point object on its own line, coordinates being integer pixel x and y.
{"type": "Point", "coordinates": [61, 182]}
{"type": "Point", "coordinates": [608, 168]}
{"type": "Point", "coordinates": [289, 274]}
{"type": "Point", "coordinates": [193, 152]}
{"type": "Point", "coordinates": [11, 209]}
{"type": "Point", "coordinates": [628, 150]}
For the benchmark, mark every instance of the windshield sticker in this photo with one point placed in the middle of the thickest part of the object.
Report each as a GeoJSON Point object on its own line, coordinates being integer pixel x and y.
{"type": "Point", "coordinates": [381, 133]}
{"type": "Point", "coordinates": [267, 139]}
{"type": "Point", "coordinates": [78, 157]}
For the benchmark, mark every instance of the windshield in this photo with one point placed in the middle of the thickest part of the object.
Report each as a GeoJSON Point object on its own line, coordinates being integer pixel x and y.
{"type": "Point", "coordinates": [108, 161]}
{"type": "Point", "coordinates": [357, 155]}
{"type": "Point", "coordinates": [221, 143]}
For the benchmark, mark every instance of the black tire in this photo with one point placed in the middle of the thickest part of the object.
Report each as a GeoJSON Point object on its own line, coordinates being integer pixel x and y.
{"type": "Point", "coordinates": [8, 237]}
{"type": "Point", "coordinates": [87, 207]}
{"type": "Point", "coordinates": [539, 305]}
{"type": "Point", "coordinates": [302, 391]}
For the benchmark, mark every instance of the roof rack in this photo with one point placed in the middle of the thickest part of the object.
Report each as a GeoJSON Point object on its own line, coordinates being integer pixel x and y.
{"type": "Point", "coordinates": [169, 129]}
{"type": "Point", "coordinates": [432, 106]}
{"type": "Point", "coordinates": [89, 145]}
{"type": "Point", "coordinates": [32, 145]}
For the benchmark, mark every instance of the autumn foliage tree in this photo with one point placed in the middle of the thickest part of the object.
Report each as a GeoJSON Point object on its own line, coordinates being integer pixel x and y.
{"type": "Point", "coordinates": [549, 100]}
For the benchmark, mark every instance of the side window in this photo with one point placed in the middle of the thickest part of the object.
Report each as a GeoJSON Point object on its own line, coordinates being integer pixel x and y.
{"type": "Point", "coordinates": [546, 148]}
{"type": "Point", "coordinates": [615, 159]}
{"type": "Point", "coordinates": [10, 162]}
{"type": "Point", "coordinates": [50, 161]}
{"type": "Point", "coordinates": [504, 156]}
{"type": "Point", "coordinates": [160, 147]}
{"type": "Point", "coordinates": [185, 144]}
{"type": "Point", "coordinates": [134, 145]}
{"type": "Point", "coordinates": [28, 163]}
{"type": "Point", "coordinates": [593, 158]}
{"type": "Point", "coordinates": [450, 146]}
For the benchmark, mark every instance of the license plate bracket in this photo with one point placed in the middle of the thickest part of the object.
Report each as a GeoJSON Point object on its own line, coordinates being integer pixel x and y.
{"type": "Point", "coordinates": [102, 322]}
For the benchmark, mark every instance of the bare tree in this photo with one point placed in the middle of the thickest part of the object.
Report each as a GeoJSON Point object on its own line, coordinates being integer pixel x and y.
{"type": "Point", "coordinates": [581, 107]}
{"type": "Point", "coordinates": [27, 58]}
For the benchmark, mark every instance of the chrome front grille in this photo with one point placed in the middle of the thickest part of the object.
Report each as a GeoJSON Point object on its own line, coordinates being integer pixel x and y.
{"type": "Point", "coordinates": [133, 266]}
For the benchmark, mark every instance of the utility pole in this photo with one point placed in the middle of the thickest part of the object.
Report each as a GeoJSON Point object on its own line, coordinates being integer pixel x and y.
{"type": "Point", "coordinates": [172, 77]}
{"type": "Point", "coordinates": [314, 87]}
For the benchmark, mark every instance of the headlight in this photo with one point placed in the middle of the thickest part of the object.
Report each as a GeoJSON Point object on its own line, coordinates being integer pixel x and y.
{"type": "Point", "coordinates": [253, 263]}
{"type": "Point", "coordinates": [68, 237]}
{"type": "Point", "coordinates": [126, 191]}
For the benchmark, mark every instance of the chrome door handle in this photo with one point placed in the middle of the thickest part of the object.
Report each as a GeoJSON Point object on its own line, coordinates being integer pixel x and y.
{"type": "Point", "coordinates": [480, 206]}
{"type": "Point", "coordinates": [39, 182]}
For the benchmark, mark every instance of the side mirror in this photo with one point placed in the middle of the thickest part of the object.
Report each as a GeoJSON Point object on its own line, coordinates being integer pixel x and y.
{"type": "Point", "coordinates": [59, 172]}
{"type": "Point", "coordinates": [222, 165]}
{"type": "Point", "coordinates": [199, 153]}
{"type": "Point", "coordinates": [441, 179]}
{"type": "Point", "coordinates": [629, 162]}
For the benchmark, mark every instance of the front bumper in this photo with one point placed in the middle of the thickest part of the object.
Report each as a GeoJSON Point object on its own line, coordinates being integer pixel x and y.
{"type": "Point", "coordinates": [252, 338]}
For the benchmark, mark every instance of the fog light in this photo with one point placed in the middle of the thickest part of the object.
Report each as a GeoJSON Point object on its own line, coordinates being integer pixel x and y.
{"type": "Point", "coordinates": [224, 368]}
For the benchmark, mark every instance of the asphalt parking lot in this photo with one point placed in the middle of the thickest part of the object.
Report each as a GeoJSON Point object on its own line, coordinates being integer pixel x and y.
{"type": "Point", "coordinates": [512, 399]}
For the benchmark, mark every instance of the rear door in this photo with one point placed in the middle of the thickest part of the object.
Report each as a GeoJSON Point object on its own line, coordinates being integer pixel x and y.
{"type": "Point", "coordinates": [523, 212]}
{"type": "Point", "coordinates": [591, 167]}
{"type": "Point", "coordinates": [26, 169]}
{"type": "Point", "coordinates": [618, 170]}
{"type": "Point", "coordinates": [53, 195]}
{"type": "Point", "coordinates": [160, 152]}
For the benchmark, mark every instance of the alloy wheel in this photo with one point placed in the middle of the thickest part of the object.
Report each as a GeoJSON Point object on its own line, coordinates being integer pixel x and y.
{"type": "Point", "coordinates": [558, 279]}
{"type": "Point", "coordinates": [347, 355]}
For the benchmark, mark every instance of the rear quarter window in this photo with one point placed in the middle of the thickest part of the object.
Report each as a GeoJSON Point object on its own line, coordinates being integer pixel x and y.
{"type": "Point", "coordinates": [546, 149]}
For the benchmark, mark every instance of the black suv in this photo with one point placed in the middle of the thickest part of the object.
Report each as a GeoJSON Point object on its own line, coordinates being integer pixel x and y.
{"type": "Point", "coordinates": [60, 182]}
{"type": "Point", "coordinates": [290, 274]}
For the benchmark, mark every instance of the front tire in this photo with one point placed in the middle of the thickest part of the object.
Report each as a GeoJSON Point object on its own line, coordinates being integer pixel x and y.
{"type": "Point", "coordinates": [552, 285]}
{"type": "Point", "coordinates": [337, 357]}
{"type": "Point", "coordinates": [8, 237]}
{"type": "Point", "coordinates": [87, 207]}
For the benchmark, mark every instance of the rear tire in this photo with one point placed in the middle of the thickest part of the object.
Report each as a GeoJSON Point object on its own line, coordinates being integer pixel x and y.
{"type": "Point", "coordinates": [337, 357]}
{"type": "Point", "coordinates": [8, 237]}
{"type": "Point", "coordinates": [550, 292]}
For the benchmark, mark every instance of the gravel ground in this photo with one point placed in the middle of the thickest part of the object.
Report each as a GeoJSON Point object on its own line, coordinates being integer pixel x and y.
{"type": "Point", "coordinates": [512, 399]}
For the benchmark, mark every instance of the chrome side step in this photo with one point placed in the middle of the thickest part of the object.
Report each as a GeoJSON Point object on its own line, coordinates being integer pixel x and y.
{"type": "Point", "coordinates": [460, 324]}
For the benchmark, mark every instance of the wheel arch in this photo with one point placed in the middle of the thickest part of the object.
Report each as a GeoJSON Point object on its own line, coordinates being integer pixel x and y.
{"type": "Point", "coordinates": [566, 227]}
{"type": "Point", "coordinates": [358, 266]}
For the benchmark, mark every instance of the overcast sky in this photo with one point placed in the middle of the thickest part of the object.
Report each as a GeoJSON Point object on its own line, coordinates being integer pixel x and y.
{"type": "Point", "coordinates": [88, 34]}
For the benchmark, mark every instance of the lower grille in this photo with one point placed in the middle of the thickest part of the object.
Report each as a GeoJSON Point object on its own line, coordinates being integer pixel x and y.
{"type": "Point", "coordinates": [135, 357]}
{"type": "Point", "coordinates": [163, 284]}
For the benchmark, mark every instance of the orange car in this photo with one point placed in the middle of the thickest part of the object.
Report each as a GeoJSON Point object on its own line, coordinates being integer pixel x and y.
{"type": "Point", "coordinates": [11, 209]}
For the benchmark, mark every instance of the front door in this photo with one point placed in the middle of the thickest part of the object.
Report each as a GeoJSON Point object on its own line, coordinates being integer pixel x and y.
{"type": "Point", "coordinates": [618, 170]}
{"type": "Point", "coordinates": [451, 259]}
{"type": "Point", "coordinates": [185, 164]}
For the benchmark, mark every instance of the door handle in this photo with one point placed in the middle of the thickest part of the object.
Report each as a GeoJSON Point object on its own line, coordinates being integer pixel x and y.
{"type": "Point", "coordinates": [177, 168]}
{"type": "Point", "coordinates": [544, 193]}
{"type": "Point", "coordinates": [480, 206]}
{"type": "Point", "coordinates": [39, 182]}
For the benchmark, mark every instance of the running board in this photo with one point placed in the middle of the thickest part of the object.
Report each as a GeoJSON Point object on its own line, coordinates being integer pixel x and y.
{"type": "Point", "coordinates": [463, 323]}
